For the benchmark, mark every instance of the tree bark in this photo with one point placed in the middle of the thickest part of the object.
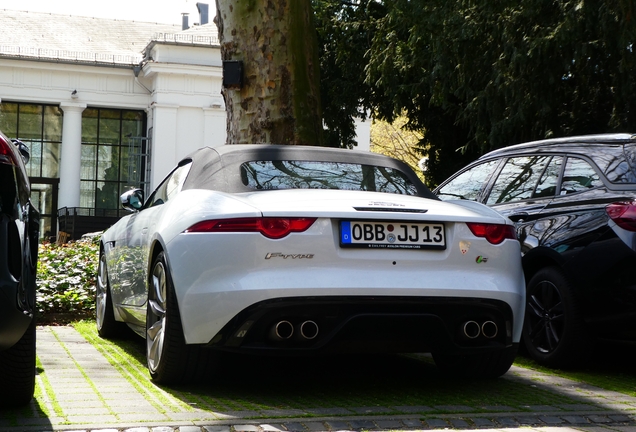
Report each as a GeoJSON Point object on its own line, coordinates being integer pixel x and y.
{"type": "Point", "coordinates": [279, 101]}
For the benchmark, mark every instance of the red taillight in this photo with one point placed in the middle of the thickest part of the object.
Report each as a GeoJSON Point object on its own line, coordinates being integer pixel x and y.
{"type": "Point", "coordinates": [624, 214]}
{"type": "Point", "coordinates": [494, 233]}
{"type": "Point", "coordinates": [274, 228]}
{"type": "Point", "coordinates": [6, 153]}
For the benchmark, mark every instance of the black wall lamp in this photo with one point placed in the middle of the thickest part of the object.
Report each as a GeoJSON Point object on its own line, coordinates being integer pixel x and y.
{"type": "Point", "coordinates": [232, 74]}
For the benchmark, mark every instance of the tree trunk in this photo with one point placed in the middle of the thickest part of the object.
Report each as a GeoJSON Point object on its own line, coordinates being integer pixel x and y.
{"type": "Point", "coordinates": [279, 101]}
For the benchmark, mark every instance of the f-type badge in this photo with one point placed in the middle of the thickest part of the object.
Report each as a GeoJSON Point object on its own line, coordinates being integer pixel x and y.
{"type": "Point", "coordinates": [271, 255]}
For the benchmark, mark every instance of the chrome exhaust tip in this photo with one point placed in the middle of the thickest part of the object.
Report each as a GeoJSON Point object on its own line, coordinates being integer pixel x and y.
{"type": "Point", "coordinates": [471, 329]}
{"type": "Point", "coordinates": [489, 329]}
{"type": "Point", "coordinates": [309, 330]}
{"type": "Point", "coordinates": [284, 330]}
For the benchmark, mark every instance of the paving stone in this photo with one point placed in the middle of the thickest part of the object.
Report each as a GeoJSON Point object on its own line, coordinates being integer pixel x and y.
{"type": "Point", "coordinates": [497, 408]}
{"type": "Point", "coordinates": [245, 428]}
{"type": "Point", "coordinates": [162, 429]}
{"type": "Point", "coordinates": [389, 424]}
{"type": "Point", "coordinates": [283, 413]}
{"type": "Point", "coordinates": [436, 423]}
{"type": "Point", "coordinates": [541, 408]}
{"type": "Point", "coordinates": [507, 421]}
{"type": "Point", "coordinates": [459, 423]}
{"type": "Point", "coordinates": [621, 418]}
{"type": "Point", "coordinates": [137, 429]}
{"type": "Point", "coordinates": [329, 411]}
{"type": "Point", "coordinates": [362, 424]}
{"type": "Point", "coordinates": [413, 423]}
{"type": "Point", "coordinates": [273, 428]}
{"type": "Point", "coordinates": [454, 408]}
{"type": "Point", "coordinates": [295, 427]}
{"type": "Point", "coordinates": [579, 407]}
{"type": "Point", "coordinates": [335, 425]}
{"type": "Point", "coordinates": [528, 421]}
{"type": "Point", "coordinates": [221, 428]}
{"type": "Point", "coordinates": [413, 409]}
{"type": "Point", "coordinates": [370, 409]}
{"type": "Point", "coordinates": [483, 422]}
{"type": "Point", "coordinates": [315, 426]}
{"type": "Point", "coordinates": [189, 429]}
{"type": "Point", "coordinates": [551, 420]}
{"type": "Point", "coordinates": [599, 419]}
{"type": "Point", "coordinates": [575, 419]}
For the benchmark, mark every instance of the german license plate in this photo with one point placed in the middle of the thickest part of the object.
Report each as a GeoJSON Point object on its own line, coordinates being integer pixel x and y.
{"type": "Point", "coordinates": [392, 235]}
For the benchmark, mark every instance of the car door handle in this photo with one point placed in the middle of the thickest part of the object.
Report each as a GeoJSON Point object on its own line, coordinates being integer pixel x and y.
{"type": "Point", "coordinates": [516, 217]}
{"type": "Point", "coordinates": [144, 231]}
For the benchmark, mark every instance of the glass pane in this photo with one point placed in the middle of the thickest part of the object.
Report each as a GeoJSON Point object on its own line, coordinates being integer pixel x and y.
{"type": "Point", "coordinates": [109, 131]}
{"type": "Point", "coordinates": [51, 161]}
{"type": "Point", "coordinates": [107, 195]}
{"type": "Point", "coordinates": [108, 163]}
{"type": "Point", "coordinates": [30, 122]}
{"type": "Point", "coordinates": [89, 162]}
{"type": "Point", "coordinates": [518, 179]}
{"type": "Point", "coordinates": [547, 184]}
{"type": "Point", "coordinates": [131, 129]}
{"type": "Point", "coordinates": [9, 119]}
{"type": "Point", "coordinates": [89, 126]}
{"type": "Point", "coordinates": [578, 176]}
{"type": "Point", "coordinates": [34, 168]}
{"type": "Point", "coordinates": [130, 166]}
{"type": "Point", "coordinates": [324, 175]}
{"type": "Point", "coordinates": [45, 228]}
{"type": "Point", "coordinates": [87, 194]}
{"type": "Point", "coordinates": [52, 123]}
{"type": "Point", "coordinates": [468, 184]}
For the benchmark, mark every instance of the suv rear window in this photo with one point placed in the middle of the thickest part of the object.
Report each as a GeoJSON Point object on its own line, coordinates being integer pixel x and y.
{"type": "Point", "coordinates": [268, 175]}
{"type": "Point", "coordinates": [617, 163]}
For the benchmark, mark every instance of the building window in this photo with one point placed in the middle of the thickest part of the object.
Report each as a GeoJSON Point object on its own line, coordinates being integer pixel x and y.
{"type": "Point", "coordinates": [112, 156]}
{"type": "Point", "coordinates": [40, 128]}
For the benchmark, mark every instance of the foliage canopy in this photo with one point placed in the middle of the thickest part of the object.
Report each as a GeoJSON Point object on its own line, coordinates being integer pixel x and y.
{"type": "Point", "coordinates": [478, 75]}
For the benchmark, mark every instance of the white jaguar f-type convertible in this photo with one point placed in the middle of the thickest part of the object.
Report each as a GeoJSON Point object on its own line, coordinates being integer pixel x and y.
{"type": "Point", "coordinates": [293, 250]}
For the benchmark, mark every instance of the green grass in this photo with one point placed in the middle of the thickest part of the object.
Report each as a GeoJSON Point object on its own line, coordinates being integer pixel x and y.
{"type": "Point", "coordinates": [608, 366]}
{"type": "Point", "coordinates": [256, 384]}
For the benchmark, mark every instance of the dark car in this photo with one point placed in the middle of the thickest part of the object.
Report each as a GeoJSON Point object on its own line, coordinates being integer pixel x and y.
{"type": "Point", "coordinates": [573, 203]}
{"type": "Point", "coordinates": [19, 232]}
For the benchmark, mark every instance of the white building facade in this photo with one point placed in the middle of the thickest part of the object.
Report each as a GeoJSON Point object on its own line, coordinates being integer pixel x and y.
{"type": "Point", "coordinates": [108, 105]}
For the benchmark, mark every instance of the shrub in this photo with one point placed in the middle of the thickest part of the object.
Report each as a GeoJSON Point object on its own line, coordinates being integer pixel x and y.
{"type": "Point", "coordinates": [66, 277]}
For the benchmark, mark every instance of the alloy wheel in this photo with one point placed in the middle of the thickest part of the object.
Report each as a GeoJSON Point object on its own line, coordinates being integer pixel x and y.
{"type": "Point", "coordinates": [156, 319]}
{"type": "Point", "coordinates": [101, 296]}
{"type": "Point", "coordinates": [545, 317]}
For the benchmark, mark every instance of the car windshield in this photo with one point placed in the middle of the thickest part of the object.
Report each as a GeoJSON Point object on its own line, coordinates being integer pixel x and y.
{"type": "Point", "coordinates": [269, 175]}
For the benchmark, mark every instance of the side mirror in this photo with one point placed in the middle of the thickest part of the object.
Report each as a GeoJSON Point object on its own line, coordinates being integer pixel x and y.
{"type": "Point", "coordinates": [23, 149]}
{"type": "Point", "coordinates": [132, 200]}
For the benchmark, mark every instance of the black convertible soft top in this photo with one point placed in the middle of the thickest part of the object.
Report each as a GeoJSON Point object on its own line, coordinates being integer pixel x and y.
{"type": "Point", "coordinates": [219, 168]}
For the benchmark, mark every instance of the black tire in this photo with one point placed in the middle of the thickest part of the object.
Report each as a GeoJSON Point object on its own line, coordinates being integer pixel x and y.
{"type": "Point", "coordinates": [170, 360]}
{"type": "Point", "coordinates": [17, 370]}
{"type": "Point", "coordinates": [553, 328]}
{"type": "Point", "coordinates": [487, 365]}
{"type": "Point", "coordinates": [107, 326]}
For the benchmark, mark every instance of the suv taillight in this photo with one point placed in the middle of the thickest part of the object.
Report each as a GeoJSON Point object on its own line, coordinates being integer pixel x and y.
{"type": "Point", "coordinates": [494, 233]}
{"type": "Point", "coordinates": [7, 155]}
{"type": "Point", "coordinates": [623, 214]}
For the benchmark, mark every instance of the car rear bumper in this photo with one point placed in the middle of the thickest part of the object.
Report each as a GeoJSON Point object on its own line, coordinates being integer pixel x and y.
{"type": "Point", "coordinates": [368, 324]}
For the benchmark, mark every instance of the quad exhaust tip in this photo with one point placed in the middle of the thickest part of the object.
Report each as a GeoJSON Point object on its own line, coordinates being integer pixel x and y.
{"type": "Point", "coordinates": [472, 329]}
{"type": "Point", "coordinates": [284, 330]}
{"type": "Point", "coordinates": [309, 330]}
